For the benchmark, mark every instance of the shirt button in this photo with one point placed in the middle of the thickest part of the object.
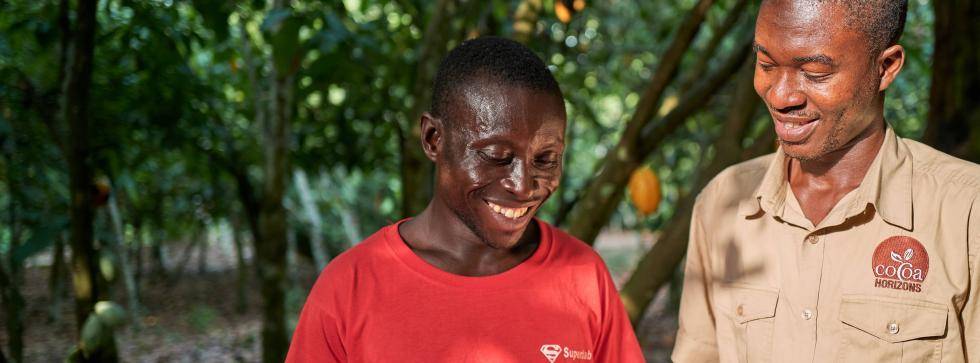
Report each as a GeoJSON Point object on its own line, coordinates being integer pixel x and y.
{"type": "Point", "coordinates": [893, 328]}
{"type": "Point", "coordinates": [807, 314]}
{"type": "Point", "coordinates": [739, 310]}
{"type": "Point", "coordinates": [812, 239]}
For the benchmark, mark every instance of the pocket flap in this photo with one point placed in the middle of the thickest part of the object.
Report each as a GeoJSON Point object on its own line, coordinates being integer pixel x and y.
{"type": "Point", "coordinates": [894, 320]}
{"type": "Point", "coordinates": [753, 302]}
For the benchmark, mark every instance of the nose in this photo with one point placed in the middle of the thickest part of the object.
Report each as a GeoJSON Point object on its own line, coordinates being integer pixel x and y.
{"type": "Point", "coordinates": [519, 181]}
{"type": "Point", "coordinates": [785, 94]}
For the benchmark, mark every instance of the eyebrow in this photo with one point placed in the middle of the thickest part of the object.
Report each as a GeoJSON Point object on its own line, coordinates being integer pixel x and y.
{"type": "Point", "coordinates": [817, 58]}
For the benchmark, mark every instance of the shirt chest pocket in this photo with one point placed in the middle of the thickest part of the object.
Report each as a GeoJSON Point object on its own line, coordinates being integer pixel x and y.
{"type": "Point", "coordinates": [884, 329]}
{"type": "Point", "coordinates": [753, 316]}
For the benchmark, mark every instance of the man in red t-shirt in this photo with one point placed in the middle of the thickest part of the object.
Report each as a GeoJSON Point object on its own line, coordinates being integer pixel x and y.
{"type": "Point", "coordinates": [474, 277]}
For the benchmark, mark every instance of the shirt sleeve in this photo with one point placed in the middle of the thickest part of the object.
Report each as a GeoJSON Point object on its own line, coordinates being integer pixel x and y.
{"type": "Point", "coordinates": [696, 332]}
{"type": "Point", "coordinates": [318, 334]}
{"type": "Point", "coordinates": [971, 310]}
{"type": "Point", "coordinates": [617, 342]}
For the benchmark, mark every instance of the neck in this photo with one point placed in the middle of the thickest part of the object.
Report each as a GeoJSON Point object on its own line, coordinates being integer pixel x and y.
{"type": "Point", "coordinates": [820, 184]}
{"type": "Point", "coordinates": [844, 168]}
{"type": "Point", "coordinates": [439, 237]}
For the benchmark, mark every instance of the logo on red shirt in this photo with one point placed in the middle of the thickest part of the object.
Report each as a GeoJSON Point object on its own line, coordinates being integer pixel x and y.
{"type": "Point", "coordinates": [900, 263]}
{"type": "Point", "coordinates": [551, 351]}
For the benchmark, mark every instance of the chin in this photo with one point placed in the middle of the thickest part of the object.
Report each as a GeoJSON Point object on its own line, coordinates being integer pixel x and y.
{"type": "Point", "coordinates": [803, 152]}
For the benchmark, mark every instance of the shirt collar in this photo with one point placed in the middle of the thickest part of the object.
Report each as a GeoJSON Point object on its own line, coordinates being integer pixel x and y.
{"type": "Point", "coordinates": [887, 186]}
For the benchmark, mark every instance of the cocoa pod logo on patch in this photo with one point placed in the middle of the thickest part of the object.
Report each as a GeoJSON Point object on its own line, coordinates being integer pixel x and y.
{"type": "Point", "coordinates": [900, 258]}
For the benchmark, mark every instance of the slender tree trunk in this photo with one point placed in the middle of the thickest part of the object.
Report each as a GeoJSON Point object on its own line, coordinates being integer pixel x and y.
{"type": "Point", "coordinates": [11, 269]}
{"type": "Point", "coordinates": [126, 267]}
{"type": "Point", "coordinates": [312, 217]}
{"type": "Point", "coordinates": [75, 92]}
{"type": "Point", "coordinates": [271, 247]}
{"type": "Point", "coordinates": [415, 166]}
{"type": "Point", "coordinates": [658, 265]}
{"type": "Point", "coordinates": [202, 251]}
{"type": "Point", "coordinates": [56, 280]}
{"type": "Point", "coordinates": [241, 301]}
{"type": "Point", "coordinates": [954, 99]}
{"type": "Point", "coordinates": [13, 303]}
{"type": "Point", "coordinates": [157, 255]}
{"type": "Point", "coordinates": [137, 254]}
{"type": "Point", "coordinates": [604, 192]}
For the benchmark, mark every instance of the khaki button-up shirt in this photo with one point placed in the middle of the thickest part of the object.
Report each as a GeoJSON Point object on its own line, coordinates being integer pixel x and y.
{"type": "Point", "coordinates": [890, 275]}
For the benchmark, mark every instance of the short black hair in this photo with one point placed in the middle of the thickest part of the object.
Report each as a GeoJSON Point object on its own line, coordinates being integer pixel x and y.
{"type": "Point", "coordinates": [881, 21]}
{"type": "Point", "coordinates": [489, 59]}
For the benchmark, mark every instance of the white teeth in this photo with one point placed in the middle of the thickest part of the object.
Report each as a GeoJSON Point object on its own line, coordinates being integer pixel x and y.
{"type": "Point", "coordinates": [512, 213]}
{"type": "Point", "coordinates": [790, 126]}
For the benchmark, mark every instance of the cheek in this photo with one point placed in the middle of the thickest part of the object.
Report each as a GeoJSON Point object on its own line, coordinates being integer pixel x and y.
{"type": "Point", "coordinates": [760, 83]}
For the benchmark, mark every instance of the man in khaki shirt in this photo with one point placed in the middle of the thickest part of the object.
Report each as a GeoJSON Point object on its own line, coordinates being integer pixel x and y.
{"type": "Point", "coordinates": [849, 243]}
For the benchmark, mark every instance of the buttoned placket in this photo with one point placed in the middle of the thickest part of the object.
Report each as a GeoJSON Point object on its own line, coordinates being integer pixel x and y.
{"type": "Point", "coordinates": [811, 245]}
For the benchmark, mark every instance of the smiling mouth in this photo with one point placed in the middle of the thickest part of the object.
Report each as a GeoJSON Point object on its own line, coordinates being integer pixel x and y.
{"type": "Point", "coordinates": [511, 213]}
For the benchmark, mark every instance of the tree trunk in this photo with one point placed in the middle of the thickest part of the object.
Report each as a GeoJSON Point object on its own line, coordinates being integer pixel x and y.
{"type": "Point", "coordinates": [75, 93]}
{"type": "Point", "coordinates": [157, 255]}
{"type": "Point", "coordinates": [202, 251]}
{"type": "Point", "coordinates": [119, 248]}
{"type": "Point", "coordinates": [56, 280]}
{"type": "Point", "coordinates": [13, 303]}
{"type": "Point", "coordinates": [241, 302]}
{"type": "Point", "coordinates": [604, 192]}
{"type": "Point", "coordinates": [271, 247]}
{"type": "Point", "coordinates": [658, 264]}
{"type": "Point", "coordinates": [11, 269]}
{"type": "Point", "coordinates": [415, 166]}
{"type": "Point", "coordinates": [313, 217]}
{"type": "Point", "coordinates": [954, 99]}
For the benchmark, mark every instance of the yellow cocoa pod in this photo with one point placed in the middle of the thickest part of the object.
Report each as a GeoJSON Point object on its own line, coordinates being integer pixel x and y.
{"type": "Point", "coordinates": [645, 190]}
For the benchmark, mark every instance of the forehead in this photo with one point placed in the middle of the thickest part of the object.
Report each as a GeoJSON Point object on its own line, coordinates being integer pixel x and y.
{"type": "Point", "coordinates": [492, 109]}
{"type": "Point", "coordinates": [806, 26]}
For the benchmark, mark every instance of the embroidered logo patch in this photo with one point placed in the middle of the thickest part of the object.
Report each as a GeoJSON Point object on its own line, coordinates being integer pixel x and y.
{"type": "Point", "coordinates": [900, 263]}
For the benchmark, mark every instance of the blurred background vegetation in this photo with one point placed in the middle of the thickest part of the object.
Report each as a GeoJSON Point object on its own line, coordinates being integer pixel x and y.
{"type": "Point", "coordinates": [175, 173]}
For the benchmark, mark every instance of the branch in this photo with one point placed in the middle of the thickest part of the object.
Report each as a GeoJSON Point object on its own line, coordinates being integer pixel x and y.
{"type": "Point", "coordinates": [606, 189]}
{"type": "Point", "coordinates": [658, 264]}
{"type": "Point", "coordinates": [600, 197]}
{"type": "Point", "coordinates": [719, 34]}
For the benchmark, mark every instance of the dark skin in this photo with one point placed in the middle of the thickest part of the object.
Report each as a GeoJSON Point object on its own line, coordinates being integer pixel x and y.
{"type": "Point", "coordinates": [825, 91]}
{"type": "Point", "coordinates": [498, 145]}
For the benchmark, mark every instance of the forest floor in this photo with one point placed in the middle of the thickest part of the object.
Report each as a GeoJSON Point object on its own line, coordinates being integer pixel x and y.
{"type": "Point", "coordinates": [195, 319]}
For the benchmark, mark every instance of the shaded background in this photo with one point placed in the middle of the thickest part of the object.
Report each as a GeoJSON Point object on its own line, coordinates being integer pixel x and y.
{"type": "Point", "coordinates": [194, 164]}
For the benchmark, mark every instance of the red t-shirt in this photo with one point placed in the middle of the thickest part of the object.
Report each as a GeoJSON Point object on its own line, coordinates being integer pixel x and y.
{"type": "Point", "coordinates": [380, 302]}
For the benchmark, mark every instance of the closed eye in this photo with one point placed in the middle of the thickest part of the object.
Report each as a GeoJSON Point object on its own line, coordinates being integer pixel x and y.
{"type": "Point", "coordinates": [816, 77]}
{"type": "Point", "coordinates": [503, 159]}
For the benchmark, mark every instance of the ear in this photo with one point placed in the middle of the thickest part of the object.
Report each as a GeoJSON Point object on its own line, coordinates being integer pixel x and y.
{"type": "Point", "coordinates": [889, 63]}
{"type": "Point", "coordinates": [432, 131]}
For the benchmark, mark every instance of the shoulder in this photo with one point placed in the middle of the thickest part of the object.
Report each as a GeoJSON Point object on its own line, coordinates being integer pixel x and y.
{"type": "Point", "coordinates": [367, 252]}
{"type": "Point", "coordinates": [942, 172]}
{"type": "Point", "coordinates": [339, 277]}
{"type": "Point", "coordinates": [735, 183]}
{"type": "Point", "coordinates": [568, 251]}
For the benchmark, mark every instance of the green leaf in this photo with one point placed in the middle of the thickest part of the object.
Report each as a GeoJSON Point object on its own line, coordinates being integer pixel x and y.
{"type": "Point", "coordinates": [215, 14]}
{"type": "Point", "coordinates": [283, 27]}
{"type": "Point", "coordinates": [41, 238]}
